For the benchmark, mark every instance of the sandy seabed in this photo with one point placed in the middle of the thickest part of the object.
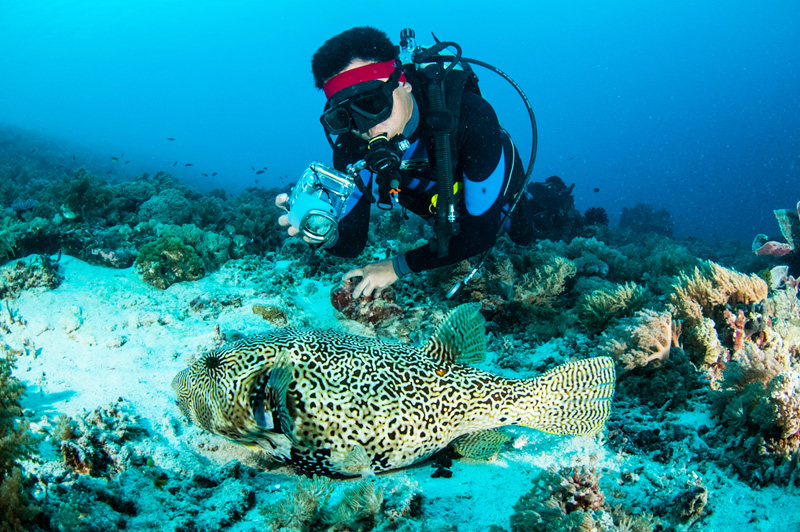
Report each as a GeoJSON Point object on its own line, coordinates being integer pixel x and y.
{"type": "Point", "coordinates": [104, 337]}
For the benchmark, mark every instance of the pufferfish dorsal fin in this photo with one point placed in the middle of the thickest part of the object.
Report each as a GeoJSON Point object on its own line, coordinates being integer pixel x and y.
{"type": "Point", "coordinates": [460, 338]}
{"type": "Point", "coordinates": [280, 378]}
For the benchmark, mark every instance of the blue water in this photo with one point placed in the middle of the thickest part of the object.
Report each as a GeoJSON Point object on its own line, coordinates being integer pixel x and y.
{"type": "Point", "coordinates": [689, 106]}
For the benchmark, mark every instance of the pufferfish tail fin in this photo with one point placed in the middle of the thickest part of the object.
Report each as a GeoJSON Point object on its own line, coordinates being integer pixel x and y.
{"type": "Point", "coordinates": [460, 338]}
{"type": "Point", "coordinates": [574, 398]}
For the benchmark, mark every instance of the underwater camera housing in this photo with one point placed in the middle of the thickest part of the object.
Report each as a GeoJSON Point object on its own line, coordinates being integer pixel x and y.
{"type": "Point", "coordinates": [318, 200]}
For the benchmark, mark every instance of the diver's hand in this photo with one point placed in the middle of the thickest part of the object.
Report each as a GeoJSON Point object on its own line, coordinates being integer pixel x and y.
{"type": "Point", "coordinates": [281, 201]}
{"type": "Point", "coordinates": [374, 277]}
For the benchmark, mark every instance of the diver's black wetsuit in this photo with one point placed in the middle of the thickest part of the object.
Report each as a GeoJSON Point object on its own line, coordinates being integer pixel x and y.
{"type": "Point", "coordinates": [488, 166]}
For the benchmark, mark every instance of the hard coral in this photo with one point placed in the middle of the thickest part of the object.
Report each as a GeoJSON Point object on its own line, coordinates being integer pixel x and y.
{"type": "Point", "coordinates": [567, 499]}
{"type": "Point", "coordinates": [33, 272]}
{"type": "Point", "coordinates": [169, 207]}
{"type": "Point", "coordinates": [168, 261]}
{"type": "Point", "coordinates": [543, 278]}
{"type": "Point", "coordinates": [97, 444]}
{"type": "Point", "coordinates": [369, 310]}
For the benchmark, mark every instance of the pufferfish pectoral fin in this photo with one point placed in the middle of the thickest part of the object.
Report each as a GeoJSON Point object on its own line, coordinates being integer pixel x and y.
{"type": "Point", "coordinates": [280, 378]}
{"type": "Point", "coordinates": [460, 338]}
{"type": "Point", "coordinates": [481, 445]}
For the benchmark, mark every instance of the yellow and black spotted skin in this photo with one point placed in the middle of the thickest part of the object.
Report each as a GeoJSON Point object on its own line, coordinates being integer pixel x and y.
{"type": "Point", "coordinates": [351, 404]}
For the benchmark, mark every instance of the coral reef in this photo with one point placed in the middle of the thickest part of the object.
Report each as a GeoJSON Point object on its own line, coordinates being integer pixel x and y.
{"type": "Point", "coordinates": [600, 307]}
{"type": "Point", "coordinates": [551, 209]}
{"type": "Point", "coordinates": [370, 310]}
{"type": "Point", "coordinates": [369, 504]}
{"type": "Point", "coordinates": [571, 499]}
{"type": "Point", "coordinates": [168, 261]}
{"type": "Point", "coordinates": [640, 340]}
{"type": "Point", "coordinates": [700, 300]}
{"type": "Point", "coordinates": [33, 272]}
{"type": "Point", "coordinates": [643, 219]}
{"type": "Point", "coordinates": [758, 406]}
{"type": "Point", "coordinates": [97, 444]}
{"type": "Point", "coordinates": [16, 443]}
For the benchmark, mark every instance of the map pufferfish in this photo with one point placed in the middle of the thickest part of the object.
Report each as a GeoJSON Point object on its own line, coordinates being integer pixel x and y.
{"type": "Point", "coordinates": [341, 405]}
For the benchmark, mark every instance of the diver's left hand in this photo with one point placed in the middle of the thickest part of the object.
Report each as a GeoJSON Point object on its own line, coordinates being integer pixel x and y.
{"type": "Point", "coordinates": [374, 277]}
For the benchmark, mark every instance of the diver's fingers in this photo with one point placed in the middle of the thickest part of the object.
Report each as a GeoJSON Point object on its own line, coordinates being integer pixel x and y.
{"type": "Point", "coordinates": [283, 220]}
{"type": "Point", "coordinates": [358, 272]}
{"type": "Point", "coordinates": [362, 288]}
{"type": "Point", "coordinates": [281, 200]}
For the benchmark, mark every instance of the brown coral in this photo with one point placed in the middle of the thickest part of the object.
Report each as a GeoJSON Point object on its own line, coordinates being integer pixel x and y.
{"type": "Point", "coordinates": [566, 498]}
{"type": "Point", "coordinates": [370, 310]}
{"type": "Point", "coordinates": [700, 300]}
{"type": "Point", "coordinates": [711, 285]}
{"type": "Point", "coordinates": [646, 337]}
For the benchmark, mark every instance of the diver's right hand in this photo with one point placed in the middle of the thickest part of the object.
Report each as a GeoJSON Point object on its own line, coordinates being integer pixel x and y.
{"type": "Point", "coordinates": [281, 201]}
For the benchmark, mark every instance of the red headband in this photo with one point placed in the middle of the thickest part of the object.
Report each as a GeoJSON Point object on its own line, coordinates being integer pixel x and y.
{"type": "Point", "coordinates": [360, 74]}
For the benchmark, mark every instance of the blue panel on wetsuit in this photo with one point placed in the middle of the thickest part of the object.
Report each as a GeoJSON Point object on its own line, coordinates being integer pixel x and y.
{"type": "Point", "coordinates": [480, 196]}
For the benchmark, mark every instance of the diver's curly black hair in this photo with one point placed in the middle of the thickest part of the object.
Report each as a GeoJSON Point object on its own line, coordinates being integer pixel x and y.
{"type": "Point", "coordinates": [364, 42]}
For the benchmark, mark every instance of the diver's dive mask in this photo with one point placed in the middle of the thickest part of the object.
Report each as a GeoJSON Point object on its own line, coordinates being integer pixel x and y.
{"type": "Point", "coordinates": [358, 99]}
{"type": "Point", "coordinates": [318, 201]}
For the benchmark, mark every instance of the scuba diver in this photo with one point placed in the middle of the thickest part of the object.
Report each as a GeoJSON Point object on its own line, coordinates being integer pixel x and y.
{"type": "Point", "coordinates": [414, 127]}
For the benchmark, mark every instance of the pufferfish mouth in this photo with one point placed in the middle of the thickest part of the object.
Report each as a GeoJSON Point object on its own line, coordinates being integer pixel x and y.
{"type": "Point", "coordinates": [258, 401]}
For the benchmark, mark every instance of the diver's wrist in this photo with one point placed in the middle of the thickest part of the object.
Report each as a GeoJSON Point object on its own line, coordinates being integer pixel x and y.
{"type": "Point", "coordinates": [400, 265]}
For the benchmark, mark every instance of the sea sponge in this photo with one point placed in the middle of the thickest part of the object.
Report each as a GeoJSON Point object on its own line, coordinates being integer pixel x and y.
{"type": "Point", "coordinates": [168, 261]}
{"type": "Point", "coordinates": [635, 342]}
